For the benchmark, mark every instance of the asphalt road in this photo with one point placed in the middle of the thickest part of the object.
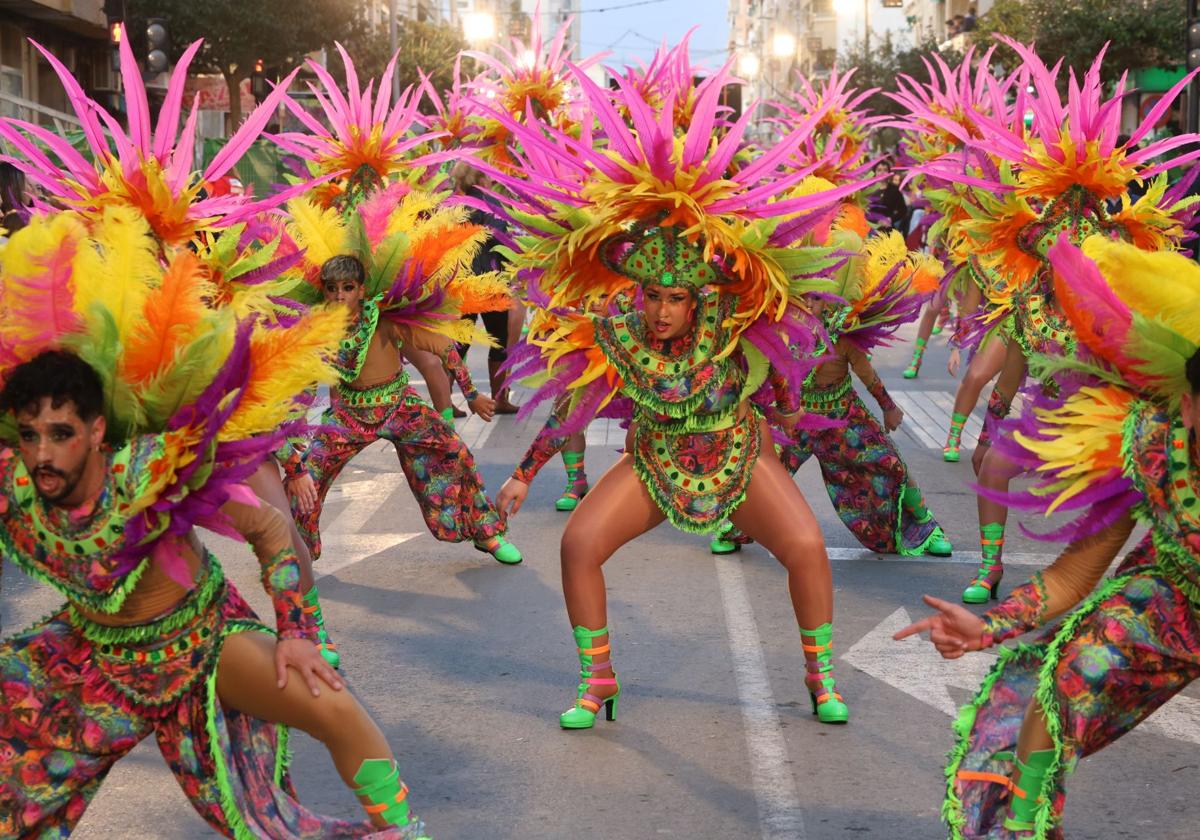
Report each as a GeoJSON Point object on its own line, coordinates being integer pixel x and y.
{"type": "Point", "coordinates": [466, 664]}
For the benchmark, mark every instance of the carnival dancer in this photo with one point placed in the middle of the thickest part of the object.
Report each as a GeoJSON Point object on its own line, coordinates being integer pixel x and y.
{"type": "Point", "coordinates": [720, 284]}
{"type": "Point", "coordinates": [1118, 444]}
{"type": "Point", "coordinates": [868, 482]}
{"type": "Point", "coordinates": [373, 401]}
{"type": "Point", "coordinates": [961, 96]}
{"type": "Point", "coordinates": [150, 173]}
{"type": "Point", "coordinates": [143, 430]}
{"type": "Point", "coordinates": [1067, 166]}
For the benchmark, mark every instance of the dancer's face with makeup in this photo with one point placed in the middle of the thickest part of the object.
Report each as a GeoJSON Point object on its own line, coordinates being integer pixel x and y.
{"type": "Point", "coordinates": [61, 451]}
{"type": "Point", "coordinates": [669, 311]}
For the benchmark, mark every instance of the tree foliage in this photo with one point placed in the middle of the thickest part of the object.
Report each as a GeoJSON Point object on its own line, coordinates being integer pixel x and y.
{"type": "Point", "coordinates": [888, 59]}
{"type": "Point", "coordinates": [1140, 33]}
{"type": "Point", "coordinates": [426, 46]}
{"type": "Point", "coordinates": [237, 33]}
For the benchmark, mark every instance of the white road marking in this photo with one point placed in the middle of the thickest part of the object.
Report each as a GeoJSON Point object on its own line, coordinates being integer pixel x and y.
{"type": "Point", "coordinates": [962, 558]}
{"type": "Point", "coordinates": [915, 667]}
{"type": "Point", "coordinates": [343, 543]}
{"type": "Point", "coordinates": [973, 426]}
{"type": "Point", "coordinates": [917, 422]}
{"type": "Point", "coordinates": [774, 785]}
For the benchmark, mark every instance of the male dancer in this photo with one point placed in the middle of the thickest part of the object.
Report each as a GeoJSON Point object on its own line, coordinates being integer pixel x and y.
{"type": "Point", "coordinates": [373, 401]}
{"type": "Point", "coordinates": [135, 652]}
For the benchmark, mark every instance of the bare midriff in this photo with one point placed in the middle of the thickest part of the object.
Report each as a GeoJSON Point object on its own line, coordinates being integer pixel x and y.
{"type": "Point", "coordinates": [154, 596]}
{"type": "Point", "coordinates": [383, 361]}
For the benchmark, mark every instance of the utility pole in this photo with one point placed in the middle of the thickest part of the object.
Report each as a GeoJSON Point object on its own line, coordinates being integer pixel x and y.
{"type": "Point", "coordinates": [394, 38]}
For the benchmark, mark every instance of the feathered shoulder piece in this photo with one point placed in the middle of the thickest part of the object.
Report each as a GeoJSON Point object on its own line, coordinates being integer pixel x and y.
{"type": "Point", "coordinates": [213, 388]}
{"type": "Point", "coordinates": [416, 249]}
{"type": "Point", "coordinates": [148, 168]}
{"type": "Point", "coordinates": [883, 285]}
{"type": "Point", "coordinates": [1136, 313]}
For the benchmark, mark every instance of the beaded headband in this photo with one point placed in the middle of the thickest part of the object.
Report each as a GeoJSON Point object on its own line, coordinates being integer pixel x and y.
{"type": "Point", "coordinates": [661, 256]}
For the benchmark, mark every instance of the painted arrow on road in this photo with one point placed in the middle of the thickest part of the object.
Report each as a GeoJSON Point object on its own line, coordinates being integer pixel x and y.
{"type": "Point", "coordinates": [915, 667]}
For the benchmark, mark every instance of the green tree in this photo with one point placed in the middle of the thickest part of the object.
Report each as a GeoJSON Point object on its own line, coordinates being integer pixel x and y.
{"type": "Point", "coordinates": [1140, 33]}
{"type": "Point", "coordinates": [238, 33]}
{"type": "Point", "coordinates": [428, 46]}
{"type": "Point", "coordinates": [889, 59]}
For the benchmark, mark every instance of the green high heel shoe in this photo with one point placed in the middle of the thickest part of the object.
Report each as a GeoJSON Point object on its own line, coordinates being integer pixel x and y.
{"type": "Point", "coordinates": [936, 543]}
{"type": "Point", "coordinates": [724, 542]}
{"type": "Point", "coordinates": [1027, 790]}
{"type": "Point", "coordinates": [914, 368]}
{"type": "Point", "coordinates": [827, 704]}
{"type": "Point", "coordinates": [325, 645]}
{"type": "Point", "coordinates": [378, 781]}
{"type": "Point", "coordinates": [950, 452]}
{"type": "Point", "coordinates": [577, 483]}
{"type": "Point", "coordinates": [583, 714]}
{"type": "Point", "coordinates": [500, 548]}
{"type": "Point", "coordinates": [986, 584]}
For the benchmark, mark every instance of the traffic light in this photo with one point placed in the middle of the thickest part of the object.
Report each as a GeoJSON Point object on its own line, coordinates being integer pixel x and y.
{"type": "Point", "coordinates": [258, 82]}
{"type": "Point", "coordinates": [158, 46]}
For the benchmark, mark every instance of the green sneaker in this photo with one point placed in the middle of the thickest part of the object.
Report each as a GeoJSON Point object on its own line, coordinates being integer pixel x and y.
{"type": "Point", "coordinates": [500, 548]}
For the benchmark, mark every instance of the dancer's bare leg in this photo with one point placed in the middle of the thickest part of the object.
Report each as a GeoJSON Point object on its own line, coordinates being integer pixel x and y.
{"type": "Point", "coordinates": [246, 681]}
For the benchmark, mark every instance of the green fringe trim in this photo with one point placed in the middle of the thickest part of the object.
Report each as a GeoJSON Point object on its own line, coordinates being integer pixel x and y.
{"type": "Point", "coordinates": [228, 800]}
{"type": "Point", "coordinates": [952, 806]}
{"type": "Point", "coordinates": [185, 612]}
{"type": "Point", "coordinates": [1047, 696]}
{"type": "Point", "coordinates": [674, 516]}
{"type": "Point", "coordinates": [899, 529]}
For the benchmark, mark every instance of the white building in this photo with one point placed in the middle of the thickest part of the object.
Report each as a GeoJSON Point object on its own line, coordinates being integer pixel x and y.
{"type": "Point", "coordinates": [775, 39]}
{"type": "Point", "coordinates": [929, 18]}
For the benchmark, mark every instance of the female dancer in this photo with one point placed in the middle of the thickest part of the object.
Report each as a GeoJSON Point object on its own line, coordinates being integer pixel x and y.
{"type": "Point", "coordinates": [721, 279]}
{"type": "Point", "coordinates": [1122, 446]}
{"type": "Point", "coordinates": [867, 480]}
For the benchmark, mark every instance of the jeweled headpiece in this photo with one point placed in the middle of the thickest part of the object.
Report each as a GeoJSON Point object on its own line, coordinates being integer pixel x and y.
{"type": "Point", "coordinates": [661, 256]}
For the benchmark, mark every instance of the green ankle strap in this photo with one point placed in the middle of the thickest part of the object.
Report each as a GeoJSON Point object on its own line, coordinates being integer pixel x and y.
{"type": "Point", "coordinates": [1026, 791]}
{"type": "Point", "coordinates": [920, 342]}
{"type": "Point", "coordinates": [957, 421]}
{"type": "Point", "coordinates": [379, 781]}
{"type": "Point", "coordinates": [914, 503]}
{"type": "Point", "coordinates": [584, 636]}
{"type": "Point", "coordinates": [572, 459]}
{"type": "Point", "coordinates": [991, 542]}
{"type": "Point", "coordinates": [448, 414]}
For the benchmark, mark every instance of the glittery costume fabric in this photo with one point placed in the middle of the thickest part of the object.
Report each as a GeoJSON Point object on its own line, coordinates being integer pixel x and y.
{"type": "Point", "coordinates": [440, 469]}
{"type": "Point", "coordinates": [76, 696]}
{"type": "Point", "coordinates": [864, 473]}
{"type": "Point", "coordinates": [1126, 650]}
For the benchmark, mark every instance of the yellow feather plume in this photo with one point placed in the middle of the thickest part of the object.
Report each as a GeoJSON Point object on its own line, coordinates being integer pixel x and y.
{"type": "Point", "coordinates": [1161, 284]}
{"type": "Point", "coordinates": [284, 364]}
{"type": "Point", "coordinates": [320, 232]}
{"type": "Point", "coordinates": [130, 268]}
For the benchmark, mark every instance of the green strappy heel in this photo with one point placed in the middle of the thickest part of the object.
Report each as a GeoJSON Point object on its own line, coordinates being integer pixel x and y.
{"type": "Point", "coordinates": [329, 651]}
{"type": "Point", "coordinates": [950, 452]}
{"type": "Point", "coordinates": [1027, 790]}
{"type": "Point", "coordinates": [378, 781]}
{"type": "Point", "coordinates": [914, 368]}
{"type": "Point", "coordinates": [991, 570]}
{"type": "Point", "coordinates": [583, 714]}
{"type": "Point", "coordinates": [827, 704]}
{"type": "Point", "coordinates": [577, 483]}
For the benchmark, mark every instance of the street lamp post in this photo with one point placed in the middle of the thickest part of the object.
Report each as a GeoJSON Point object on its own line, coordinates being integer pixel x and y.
{"type": "Point", "coordinates": [394, 38]}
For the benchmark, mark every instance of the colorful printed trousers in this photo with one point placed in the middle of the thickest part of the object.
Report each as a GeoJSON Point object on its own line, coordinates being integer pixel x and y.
{"type": "Point", "coordinates": [76, 696]}
{"type": "Point", "coordinates": [864, 474]}
{"type": "Point", "coordinates": [440, 469]}
{"type": "Point", "coordinates": [1132, 646]}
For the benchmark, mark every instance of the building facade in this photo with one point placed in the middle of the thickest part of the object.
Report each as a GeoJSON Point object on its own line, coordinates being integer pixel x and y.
{"type": "Point", "coordinates": [75, 32]}
{"type": "Point", "coordinates": [931, 20]}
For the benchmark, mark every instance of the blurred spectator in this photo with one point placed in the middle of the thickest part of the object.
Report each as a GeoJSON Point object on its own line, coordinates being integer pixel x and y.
{"type": "Point", "coordinates": [14, 202]}
{"type": "Point", "coordinates": [969, 22]}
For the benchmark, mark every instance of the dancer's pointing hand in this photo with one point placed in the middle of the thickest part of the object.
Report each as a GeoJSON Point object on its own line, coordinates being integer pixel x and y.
{"type": "Point", "coordinates": [954, 630]}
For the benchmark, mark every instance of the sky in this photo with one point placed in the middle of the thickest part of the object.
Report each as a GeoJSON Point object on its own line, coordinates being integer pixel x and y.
{"type": "Point", "coordinates": [632, 33]}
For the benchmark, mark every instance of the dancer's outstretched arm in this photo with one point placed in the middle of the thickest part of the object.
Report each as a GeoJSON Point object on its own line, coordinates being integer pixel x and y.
{"type": "Point", "coordinates": [955, 630]}
{"type": "Point", "coordinates": [865, 371]}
